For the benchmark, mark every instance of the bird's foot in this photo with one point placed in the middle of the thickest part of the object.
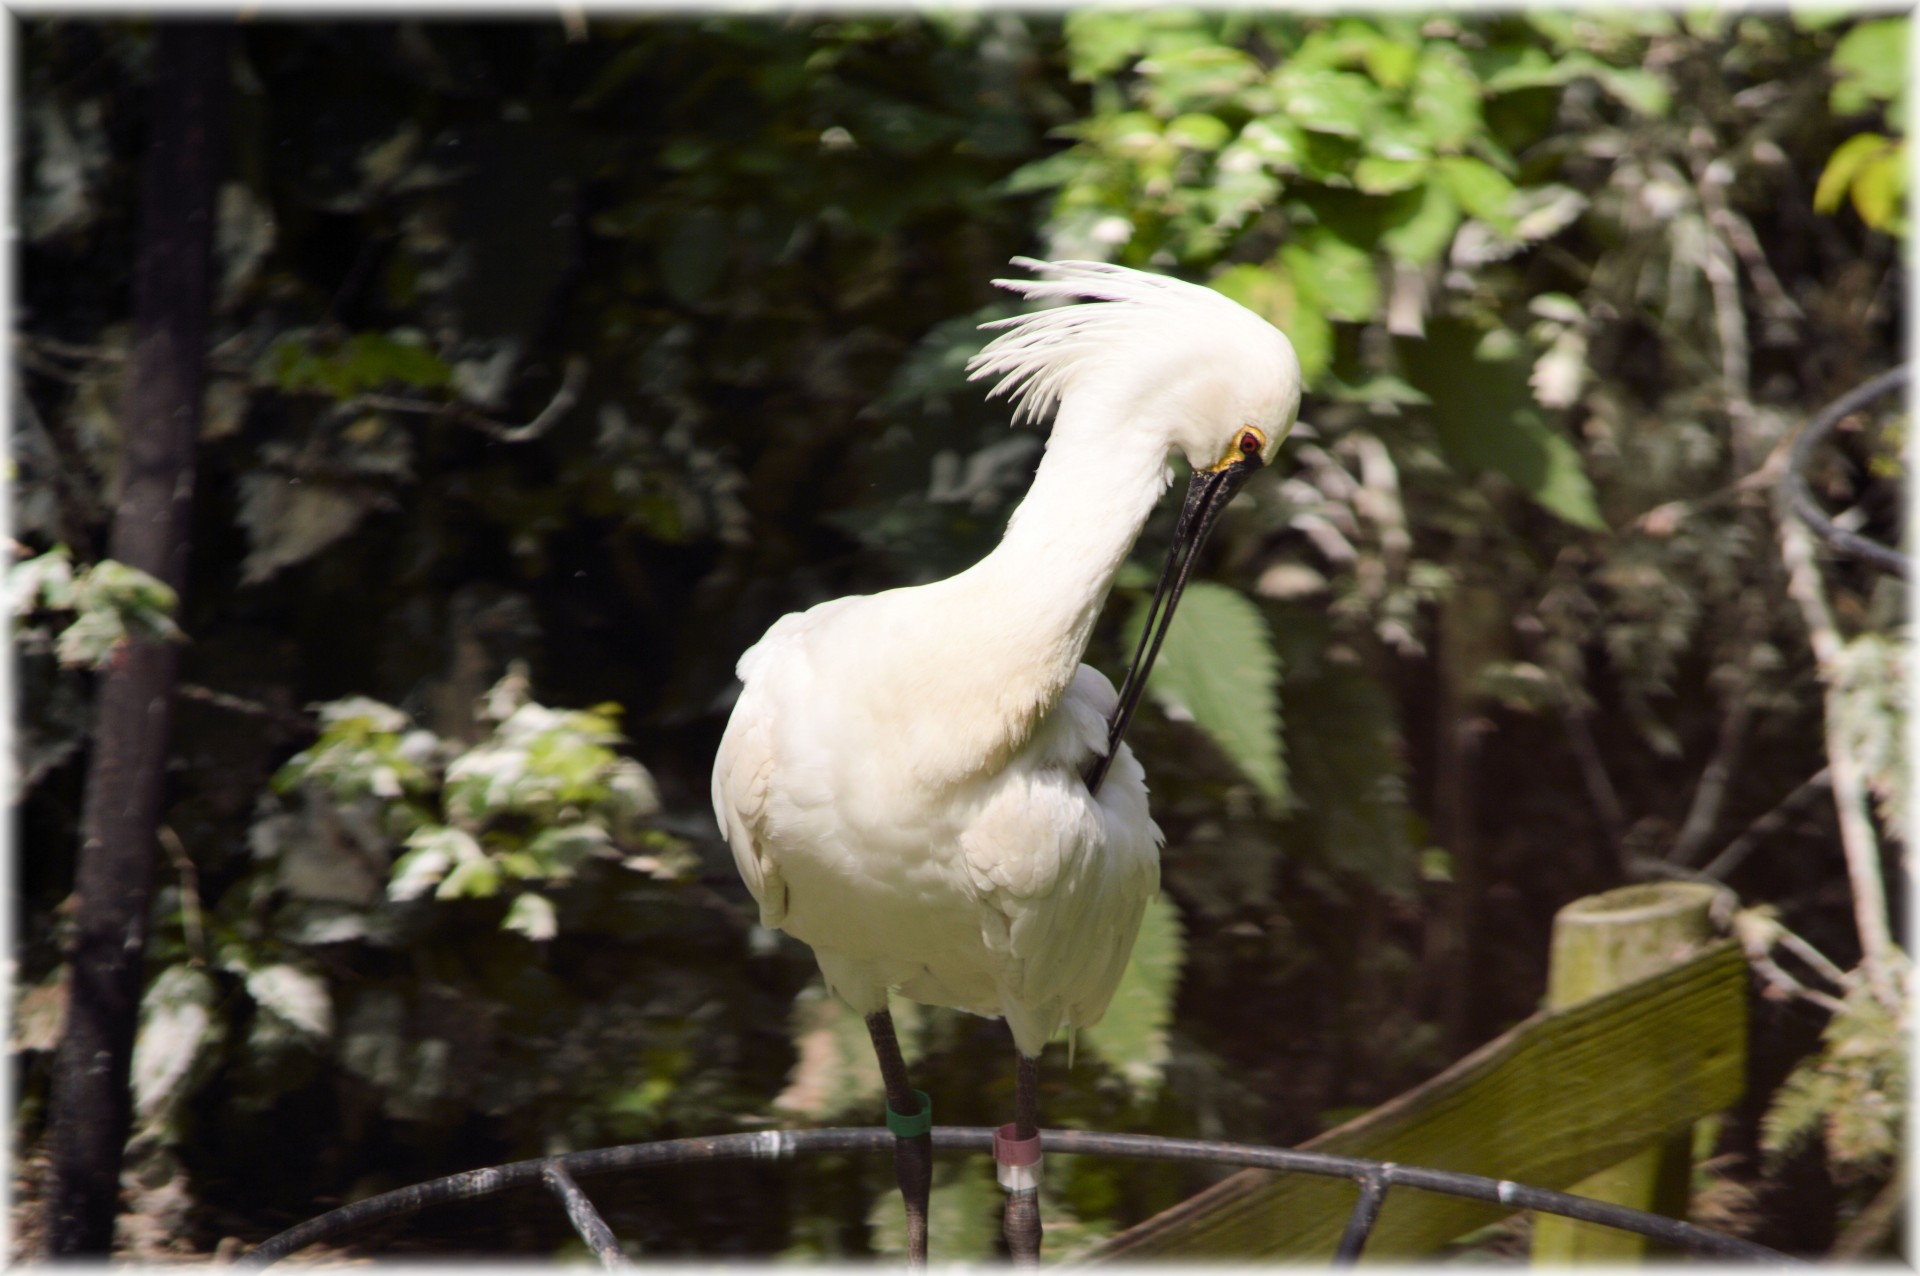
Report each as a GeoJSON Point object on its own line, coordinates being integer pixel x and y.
{"type": "Point", "coordinates": [1018, 1163]}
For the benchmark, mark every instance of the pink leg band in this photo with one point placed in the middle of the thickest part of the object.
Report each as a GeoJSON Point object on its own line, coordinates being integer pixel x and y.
{"type": "Point", "coordinates": [1017, 1161]}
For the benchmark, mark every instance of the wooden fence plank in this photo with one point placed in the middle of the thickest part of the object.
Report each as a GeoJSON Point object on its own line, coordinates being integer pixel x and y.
{"type": "Point", "coordinates": [1600, 943]}
{"type": "Point", "coordinates": [1556, 1098]}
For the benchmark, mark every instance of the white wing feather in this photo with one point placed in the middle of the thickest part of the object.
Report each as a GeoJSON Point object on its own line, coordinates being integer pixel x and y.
{"type": "Point", "coordinates": [1063, 878]}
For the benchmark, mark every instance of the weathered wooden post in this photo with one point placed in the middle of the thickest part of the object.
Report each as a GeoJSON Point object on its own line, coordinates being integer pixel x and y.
{"type": "Point", "coordinates": [1600, 943]}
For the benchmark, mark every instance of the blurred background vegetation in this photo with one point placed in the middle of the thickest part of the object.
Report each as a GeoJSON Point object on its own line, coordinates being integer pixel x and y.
{"type": "Point", "coordinates": [554, 360]}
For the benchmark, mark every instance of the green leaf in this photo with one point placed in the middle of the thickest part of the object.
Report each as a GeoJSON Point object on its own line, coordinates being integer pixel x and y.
{"type": "Point", "coordinates": [45, 580]}
{"type": "Point", "coordinates": [1482, 190]}
{"type": "Point", "coordinates": [1376, 176]}
{"type": "Point", "coordinates": [1446, 98]}
{"type": "Point", "coordinates": [1337, 102]}
{"type": "Point", "coordinates": [1100, 42]}
{"type": "Point", "coordinates": [1843, 166]}
{"type": "Point", "coordinates": [1276, 143]}
{"type": "Point", "coordinates": [1423, 235]}
{"type": "Point", "coordinates": [1132, 1036]}
{"type": "Point", "coordinates": [1642, 91]}
{"type": "Point", "coordinates": [479, 879]}
{"type": "Point", "coordinates": [1219, 670]}
{"type": "Point", "coordinates": [533, 916]}
{"type": "Point", "coordinates": [1335, 275]}
{"type": "Point", "coordinates": [1878, 188]}
{"type": "Point", "coordinates": [1206, 75]}
{"type": "Point", "coordinates": [298, 997]}
{"type": "Point", "coordinates": [1198, 132]}
{"type": "Point", "coordinates": [1871, 61]}
{"type": "Point", "coordinates": [115, 604]}
{"type": "Point", "coordinates": [1390, 62]}
{"type": "Point", "coordinates": [179, 1035]}
{"type": "Point", "coordinates": [1484, 410]}
{"type": "Point", "coordinates": [433, 850]}
{"type": "Point", "coordinates": [1818, 17]}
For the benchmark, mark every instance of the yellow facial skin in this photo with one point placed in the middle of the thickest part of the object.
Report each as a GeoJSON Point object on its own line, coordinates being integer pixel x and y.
{"type": "Point", "coordinates": [1250, 442]}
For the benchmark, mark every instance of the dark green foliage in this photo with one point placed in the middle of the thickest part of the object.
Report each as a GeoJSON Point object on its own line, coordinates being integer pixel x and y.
{"type": "Point", "coordinates": [574, 361]}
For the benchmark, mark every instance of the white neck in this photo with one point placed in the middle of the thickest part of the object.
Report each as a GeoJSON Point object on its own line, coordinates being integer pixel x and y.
{"type": "Point", "coordinates": [1016, 623]}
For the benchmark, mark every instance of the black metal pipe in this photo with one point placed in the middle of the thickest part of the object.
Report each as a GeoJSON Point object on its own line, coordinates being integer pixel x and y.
{"type": "Point", "coordinates": [1366, 1211]}
{"type": "Point", "coordinates": [1793, 484]}
{"type": "Point", "coordinates": [586, 1220]}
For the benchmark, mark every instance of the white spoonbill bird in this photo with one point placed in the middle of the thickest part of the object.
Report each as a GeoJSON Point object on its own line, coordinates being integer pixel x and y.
{"type": "Point", "coordinates": [926, 785]}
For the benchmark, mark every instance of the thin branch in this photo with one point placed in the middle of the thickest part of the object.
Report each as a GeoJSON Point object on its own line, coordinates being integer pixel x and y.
{"type": "Point", "coordinates": [1773, 298]}
{"type": "Point", "coordinates": [1757, 938]}
{"type": "Point", "coordinates": [1720, 265]}
{"type": "Point", "coordinates": [1766, 826]}
{"type": "Point", "coordinates": [572, 382]}
{"type": "Point", "coordinates": [285, 719]}
{"type": "Point", "coordinates": [190, 914]}
{"type": "Point", "coordinates": [1821, 964]}
{"type": "Point", "coordinates": [1703, 813]}
{"type": "Point", "coordinates": [69, 350]}
{"type": "Point", "coordinates": [1857, 840]}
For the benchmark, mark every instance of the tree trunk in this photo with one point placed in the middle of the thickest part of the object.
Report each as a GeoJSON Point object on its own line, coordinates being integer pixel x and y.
{"type": "Point", "coordinates": [161, 417]}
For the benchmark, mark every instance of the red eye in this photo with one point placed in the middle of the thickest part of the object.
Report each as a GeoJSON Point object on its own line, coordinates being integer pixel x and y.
{"type": "Point", "coordinates": [1249, 443]}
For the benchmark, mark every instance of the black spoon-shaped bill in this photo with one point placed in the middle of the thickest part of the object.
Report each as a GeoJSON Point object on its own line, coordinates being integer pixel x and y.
{"type": "Point", "coordinates": [1207, 495]}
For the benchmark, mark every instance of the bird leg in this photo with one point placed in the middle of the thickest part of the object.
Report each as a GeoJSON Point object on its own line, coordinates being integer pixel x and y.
{"type": "Point", "coordinates": [1016, 1152]}
{"type": "Point", "coordinates": [912, 1152]}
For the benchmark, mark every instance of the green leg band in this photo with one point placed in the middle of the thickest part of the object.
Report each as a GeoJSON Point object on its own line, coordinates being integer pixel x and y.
{"type": "Point", "coordinates": [906, 1126]}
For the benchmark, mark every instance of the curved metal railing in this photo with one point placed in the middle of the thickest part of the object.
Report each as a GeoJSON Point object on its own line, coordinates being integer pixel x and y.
{"type": "Point", "coordinates": [1375, 1179]}
{"type": "Point", "coordinates": [1799, 497]}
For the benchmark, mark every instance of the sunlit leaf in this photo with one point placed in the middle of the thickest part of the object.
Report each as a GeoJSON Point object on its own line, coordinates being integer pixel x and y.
{"type": "Point", "coordinates": [45, 580]}
{"type": "Point", "coordinates": [1100, 41]}
{"type": "Point", "coordinates": [1390, 62]}
{"type": "Point", "coordinates": [1423, 236]}
{"type": "Point", "coordinates": [1487, 418]}
{"type": "Point", "coordinates": [1483, 190]}
{"type": "Point", "coordinates": [532, 915]}
{"type": "Point", "coordinates": [113, 604]}
{"type": "Point", "coordinates": [1642, 90]}
{"type": "Point", "coordinates": [1378, 176]}
{"type": "Point", "coordinates": [1843, 167]}
{"type": "Point", "coordinates": [1446, 98]}
{"type": "Point", "coordinates": [297, 996]}
{"type": "Point", "coordinates": [1878, 188]}
{"type": "Point", "coordinates": [1338, 277]}
{"type": "Point", "coordinates": [178, 1030]}
{"type": "Point", "coordinates": [1871, 61]}
{"type": "Point", "coordinates": [1337, 102]}
{"type": "Point", "coordinates": [1198, 132]}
